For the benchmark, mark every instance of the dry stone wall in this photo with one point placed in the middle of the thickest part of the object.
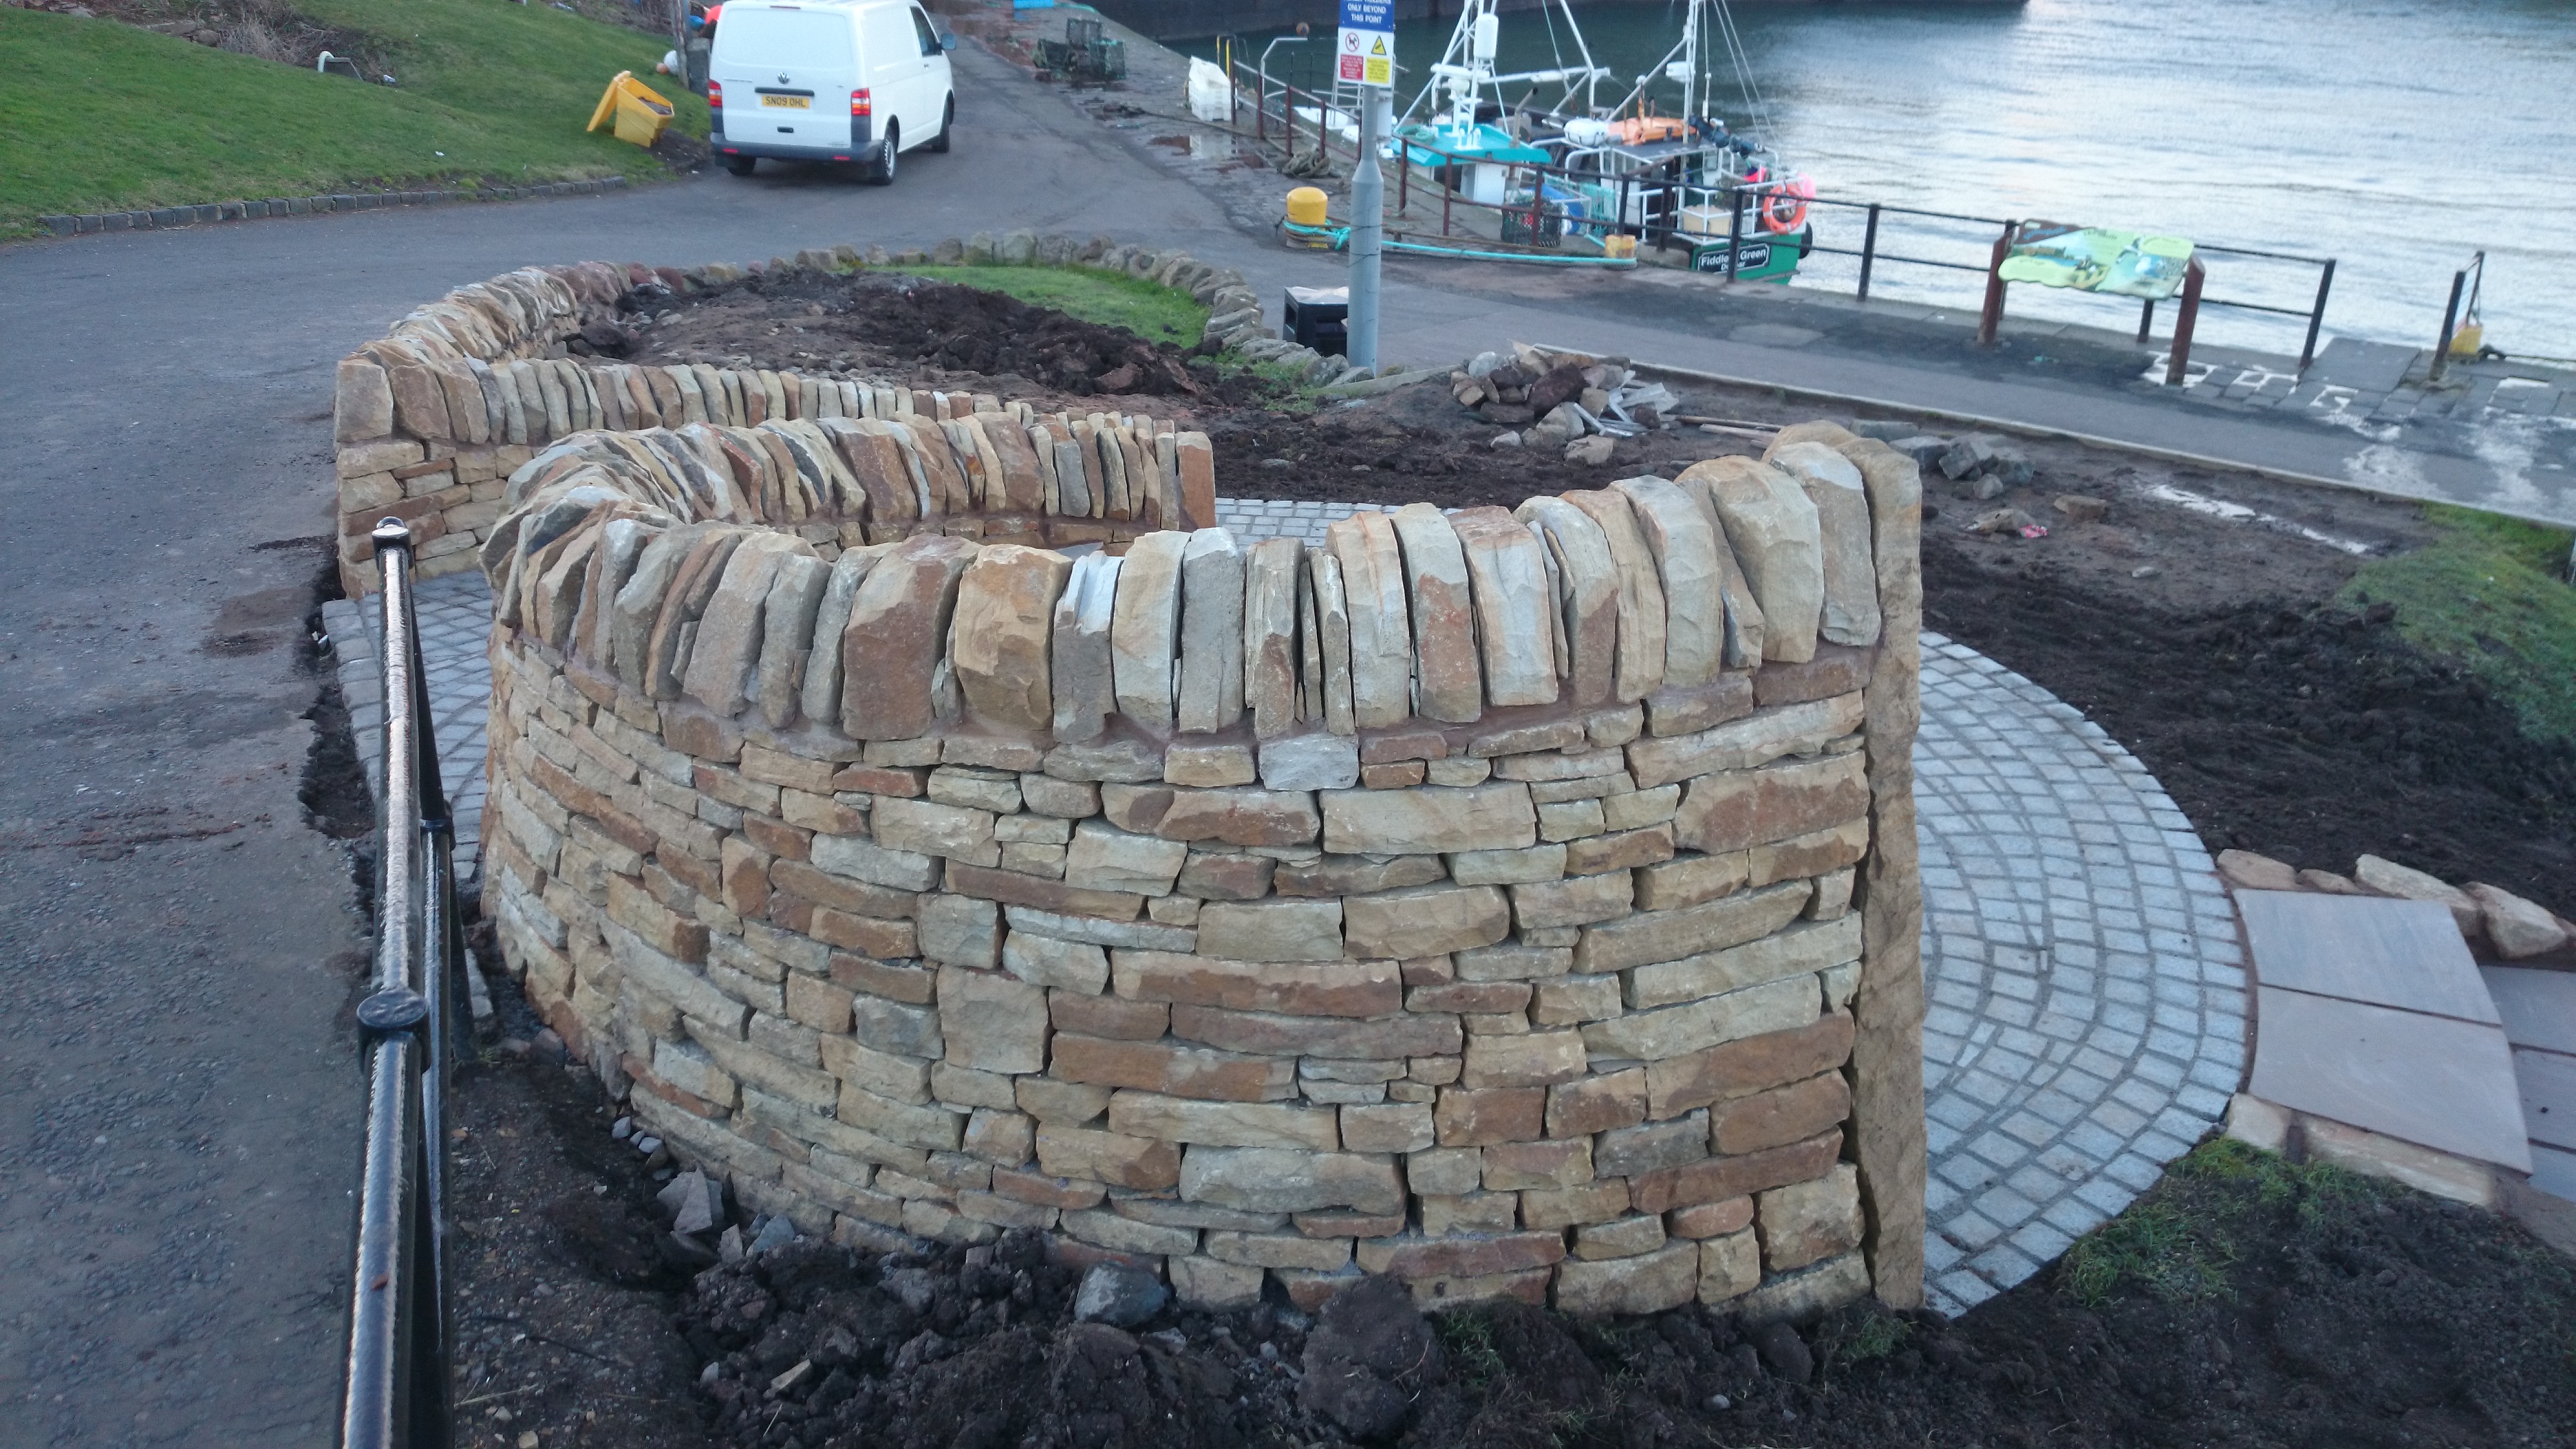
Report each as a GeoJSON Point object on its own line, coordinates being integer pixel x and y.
{"type": "Point", "coordinates": [466, 391]}
{"type": "Point", "coordinates": [1512, 901]}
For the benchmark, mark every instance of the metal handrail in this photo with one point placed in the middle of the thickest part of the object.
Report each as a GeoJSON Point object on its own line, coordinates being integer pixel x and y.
{"type": "Point", "coordinates": [1661, 234]}
{"type": "Point", "coordinates": [401, 1338]}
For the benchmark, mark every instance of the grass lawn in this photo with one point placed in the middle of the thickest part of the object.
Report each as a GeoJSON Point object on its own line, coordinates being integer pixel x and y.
{"type": "Point", "coordinates": [1153, 312]}
{"type": "Point", "coordinates": [2491, 595]}
{"type": "Point", "coordinates": [103, 117]}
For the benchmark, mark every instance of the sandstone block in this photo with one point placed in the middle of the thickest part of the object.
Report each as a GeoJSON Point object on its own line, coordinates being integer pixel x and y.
{"type": "Point", "coordinates": [1211, 672]}
{"type": "Point", "coordinates": [1477, 1117]}
{"type": "Point", "coordinates": [1642, 609]}
{"type": "Point", "coordinates": [1081, 667]}
{"type": "Point", "coordinates": [1819, 853]}
{"type": "Point", "coordinates": [1710, 1219]}
{"type": "Point", "coordinates": [1001, 638]}
{"type": "Point", "coordinates": [1515, 606]}
{"type": "Point", "coordinates": [992, 1022]}
{"type": "Point", "coordinates": [1448, 681]}
{"type": "Point", "coordinates": [1233, 817]}
{"type": "Point", "coordinates": [1065, 1104]}
{"type": "Point", "coordinates": [1730, 1266]}
{"type": "Point", "coordinates": [1139, 934]}
{"type": "Point", "coordinates": [1657, 936]}
{"type": "Point", "coordinates": [1429, 821]}
{"type": "Point", "coordinates": [1271, 1179]}
{"type": "Point", "coordinates": [1799, 950]}
{"type": "Point", "coordinates": [1208, 764]}
{"type": "Point", "coordinates": [1578, 901]}
{"type": "Point", "coordinates": [1834, 487]}
{"type": "Point", "coordinates": [2515, 926]}
{"type": "Point", "coordinates": [1585, 1105]}
{"type": "Point", "coordinates": [1267, 1034]}
{"type": "Point", "coordinates": [1223, 1124]}
{"type": "Point", "coordinates": [1741, 808]}
{"type": "Point", "coordinates": [1716, 1179]}
{"type": "Point", "coordinates": [1691, 880]}
{"type": "Point", "coordinates": [1271, 671]}
{"type": "Point", "coordinates": [1112, 1017]}
{"type": "Point", "coordinates": [897, 636]}
{"type": "Point", "coordinates": [1613, 856]}
{"type": "Point", "coordinates": [1532, 1059]}
{"type": "Point", "coordinates": [1781, 1115]}
{"type": "Point", "coordinates": [1584, 624]}
{"type": "Point", "coordinates": [1335, 988]}
{"type": "Point", "coordinates": [1144, 636]}
{"type": "Point", "coordinates": [1673, 1031]}
{"type": "Point", "coordinates": [1757, 739]}
{"type": "Point", "coordinates": [1536, 863]}
{"type": "Point", "coordinates": [1102, 857]}
{"type": "Point", "coordinates": [1645, 1147]}
{"type": "Point", "coordinates": [1370, 571]}
{"type": "Point", "coordinates": [1075, 966]}
{"type": "Point", "coordinates": [1516, 1166]}
{"type": "Point", "coordinates": [1740, 1068]}
{"type": "Point", "coordinates": [1310, 762]}
{"type": "Point", "coordinates": [896, 1078]}
{"type": "Point", "coordinates": [1808, 1293]}
{"type": "Point", "coordinates": [1647, 1282]}
{"type": "Point", "coordinates": [1560, 1208]}
{"type": "Point", "coordinates": [1280, 1250]}
{"type": "Point", "coordinates": [1142, 1163]}
{"type": "Point", "coordinates": [1513, 962]}
{"type": "Point", "coordinates": [961, 931]}
{"type": "Point", "coordinates": [1206, 1283]}
{"type": "Point", "coordinates": [1415, 1258]}
{"type": "Point", "coordinates": [1684, 546]}
{"type": "Point", "coordinates": [1425, 921]}
{"type": "Point", "coordinates": [1772, 528]}
{"type": "Point", "coordinates": [1388, 1127]}
{"type": "Point", "coordinates": [1290, 930]}
{"type": "Point", "coordinates": [1173, 1070]}
{"type": "Point", "coordinates": [866, 860]}
{"type": "Point", "coordinates": [2406, 883]}
{"type": "Point", "coordinates": [926, 827]}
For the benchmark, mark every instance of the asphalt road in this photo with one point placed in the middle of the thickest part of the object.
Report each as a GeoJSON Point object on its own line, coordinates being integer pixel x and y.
{"type": "Point", "coordinates": [178, 1077]}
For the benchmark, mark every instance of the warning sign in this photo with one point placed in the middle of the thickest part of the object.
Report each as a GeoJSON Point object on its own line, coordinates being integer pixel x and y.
{"type": "Point", "coordinates": [1367, 52]}
{"type": "Point", "coordinates": [1368, 56]}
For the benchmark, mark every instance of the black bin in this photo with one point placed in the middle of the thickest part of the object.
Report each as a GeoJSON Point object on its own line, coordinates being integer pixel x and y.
{"type": "Point", "coordinates": [1317, 317]}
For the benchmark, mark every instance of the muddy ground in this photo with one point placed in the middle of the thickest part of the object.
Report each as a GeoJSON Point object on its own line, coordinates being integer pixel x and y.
{"type": "Point", "coordinates": [2213, 648]}
{"type": "Point", "coordinates": [2241, 1302]}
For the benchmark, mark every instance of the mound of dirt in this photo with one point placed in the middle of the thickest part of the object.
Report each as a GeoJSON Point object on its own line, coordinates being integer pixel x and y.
{"type": "Point", "coordinates": [874, 318]}
{"type": "Point", "coordinates": [2309, 1308]}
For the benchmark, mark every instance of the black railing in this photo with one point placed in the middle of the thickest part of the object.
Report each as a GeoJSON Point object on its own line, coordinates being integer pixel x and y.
{"type": "Point", "coordinates": [401, 1342]}
{"type": "Point", "coordinates": [1657, 205]}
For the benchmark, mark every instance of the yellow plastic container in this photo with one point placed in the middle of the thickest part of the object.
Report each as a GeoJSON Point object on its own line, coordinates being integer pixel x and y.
{"type": "Point", "coordinates": [638, 111]}
{"type": "Point", "coordinates": [1619, 247]}
{"type": "Point", "coordinates": [2468, 339]}
{"type": "Point", "coordinates": [1306, 206]}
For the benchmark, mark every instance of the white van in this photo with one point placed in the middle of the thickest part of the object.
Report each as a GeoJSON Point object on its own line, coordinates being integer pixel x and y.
{"type": "Point", "coordinates": [852, 80]}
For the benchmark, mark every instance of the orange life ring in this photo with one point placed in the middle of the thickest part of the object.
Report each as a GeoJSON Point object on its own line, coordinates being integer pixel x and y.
{"type": "Point", "coordinates": [1785, 208]}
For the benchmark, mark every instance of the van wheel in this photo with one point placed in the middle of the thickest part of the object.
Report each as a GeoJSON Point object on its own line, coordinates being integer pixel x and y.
{"type": "Point", "coordinates": [881, 165]}
{"type": "Point", "coordinates": [741, 165]}
{"type": "Point", "coordinates": [947, 123]}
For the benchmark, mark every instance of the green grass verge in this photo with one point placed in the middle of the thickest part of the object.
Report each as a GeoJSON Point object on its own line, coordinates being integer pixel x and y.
{"type": "Point", "coordinates": [1150, 310]}
{"type": "Point", "coordinates": [2490, 595]}
{"type": "Point", "coordinates": [105, 117]}
{"type": "Point", "coordinates": [2178, 1244]}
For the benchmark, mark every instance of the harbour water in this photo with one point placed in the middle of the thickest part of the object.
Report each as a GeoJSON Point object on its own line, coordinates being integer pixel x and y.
{"type": "Point", "coordinates": [2397, 136]}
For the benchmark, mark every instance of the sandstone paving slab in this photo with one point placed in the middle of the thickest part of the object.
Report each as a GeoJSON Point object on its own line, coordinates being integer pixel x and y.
{"type": "Point", "coordinates": [2402, 954]}
{"type": "Point", "coordinates": [2086, 1004]}
{"type": "Point", "coordinates": [2436, 1081]}
{"type": "Point", "coordinates": [2538, 1007]}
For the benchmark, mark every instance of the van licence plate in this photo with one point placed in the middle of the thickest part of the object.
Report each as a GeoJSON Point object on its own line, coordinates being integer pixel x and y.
{"type": "Point", "coordinates": [789, 103]}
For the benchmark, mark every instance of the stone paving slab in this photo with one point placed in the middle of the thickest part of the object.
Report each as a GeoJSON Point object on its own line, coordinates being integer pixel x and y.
{"type": "Point", "coordinates": [2432, 1080]}
{"type": "Point", "coordinates": [2539, 1011]}
{"type": "Point", "coordinates": [2402, 954]}
{"type": "Point", "coordinates": [2086, 1015]}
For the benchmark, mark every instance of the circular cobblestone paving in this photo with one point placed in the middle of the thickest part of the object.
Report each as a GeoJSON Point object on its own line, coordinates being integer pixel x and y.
{"type": "Point", "coordinates": [2084, 986]}
{"type": "Point", "coordinates": [2085, 990]}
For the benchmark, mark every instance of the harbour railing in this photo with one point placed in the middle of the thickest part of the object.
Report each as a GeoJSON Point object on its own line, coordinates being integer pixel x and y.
{"type": "Point", "coordinates": [1657, 213]}
{"type": "Point", "coordinates": [401, 1334]}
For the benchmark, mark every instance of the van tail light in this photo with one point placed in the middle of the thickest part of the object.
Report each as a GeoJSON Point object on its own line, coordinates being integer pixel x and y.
{"type": "Point", "coordinates": [860, 105]}
{"type": "Point", "coordinates": [715, 95]}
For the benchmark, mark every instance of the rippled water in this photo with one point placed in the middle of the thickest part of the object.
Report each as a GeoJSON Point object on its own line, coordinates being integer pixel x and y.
{"type": "Point", "coordinates": [2396, 136]}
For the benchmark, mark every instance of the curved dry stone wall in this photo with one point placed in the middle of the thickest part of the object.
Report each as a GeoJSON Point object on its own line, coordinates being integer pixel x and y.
{"type": "Point", "coordinates": [1512, 901]}
{"type": "Point", "coordinates": [465, 391]}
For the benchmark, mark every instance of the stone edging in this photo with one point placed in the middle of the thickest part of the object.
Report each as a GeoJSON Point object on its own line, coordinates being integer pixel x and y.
{"type": "Point", "coordinates": [156, 218]}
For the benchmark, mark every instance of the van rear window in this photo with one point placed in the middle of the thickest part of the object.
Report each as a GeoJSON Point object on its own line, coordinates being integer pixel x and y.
{"type": "Point", "coordinates": [784, 39]}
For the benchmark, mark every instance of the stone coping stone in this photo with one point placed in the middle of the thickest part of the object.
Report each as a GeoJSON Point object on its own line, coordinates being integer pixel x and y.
{"type": "Point", "coordinates": [2402, 954]}
{"type": "Point", "coordinates": [2437, 1081]}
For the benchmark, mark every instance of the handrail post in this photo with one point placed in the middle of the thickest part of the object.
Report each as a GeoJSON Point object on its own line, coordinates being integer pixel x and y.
{"type": "Point", "coordinates": [1868, 250]}
{"type": "Point", "coordinates": [1734, 233]}
{"type": "Point", "coordinates": [2317, 315]}
{"type": "Point", "coordinates": [2185, 317]}
{"type": "Point", "coordinates": [2147, 321]}
{"type": "Point", "coordinates": [1990, 319]}
{"type": "Point", "coordinates": [2450, 321]}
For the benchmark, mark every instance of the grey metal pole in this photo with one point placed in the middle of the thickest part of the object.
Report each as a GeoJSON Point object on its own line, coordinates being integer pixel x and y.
{"type": "Point", "coordinates": [1368, 229]}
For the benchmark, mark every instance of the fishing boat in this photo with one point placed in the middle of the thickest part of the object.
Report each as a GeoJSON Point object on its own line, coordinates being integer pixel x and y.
{"type": "Point", "coordinates": [1577, 181]}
